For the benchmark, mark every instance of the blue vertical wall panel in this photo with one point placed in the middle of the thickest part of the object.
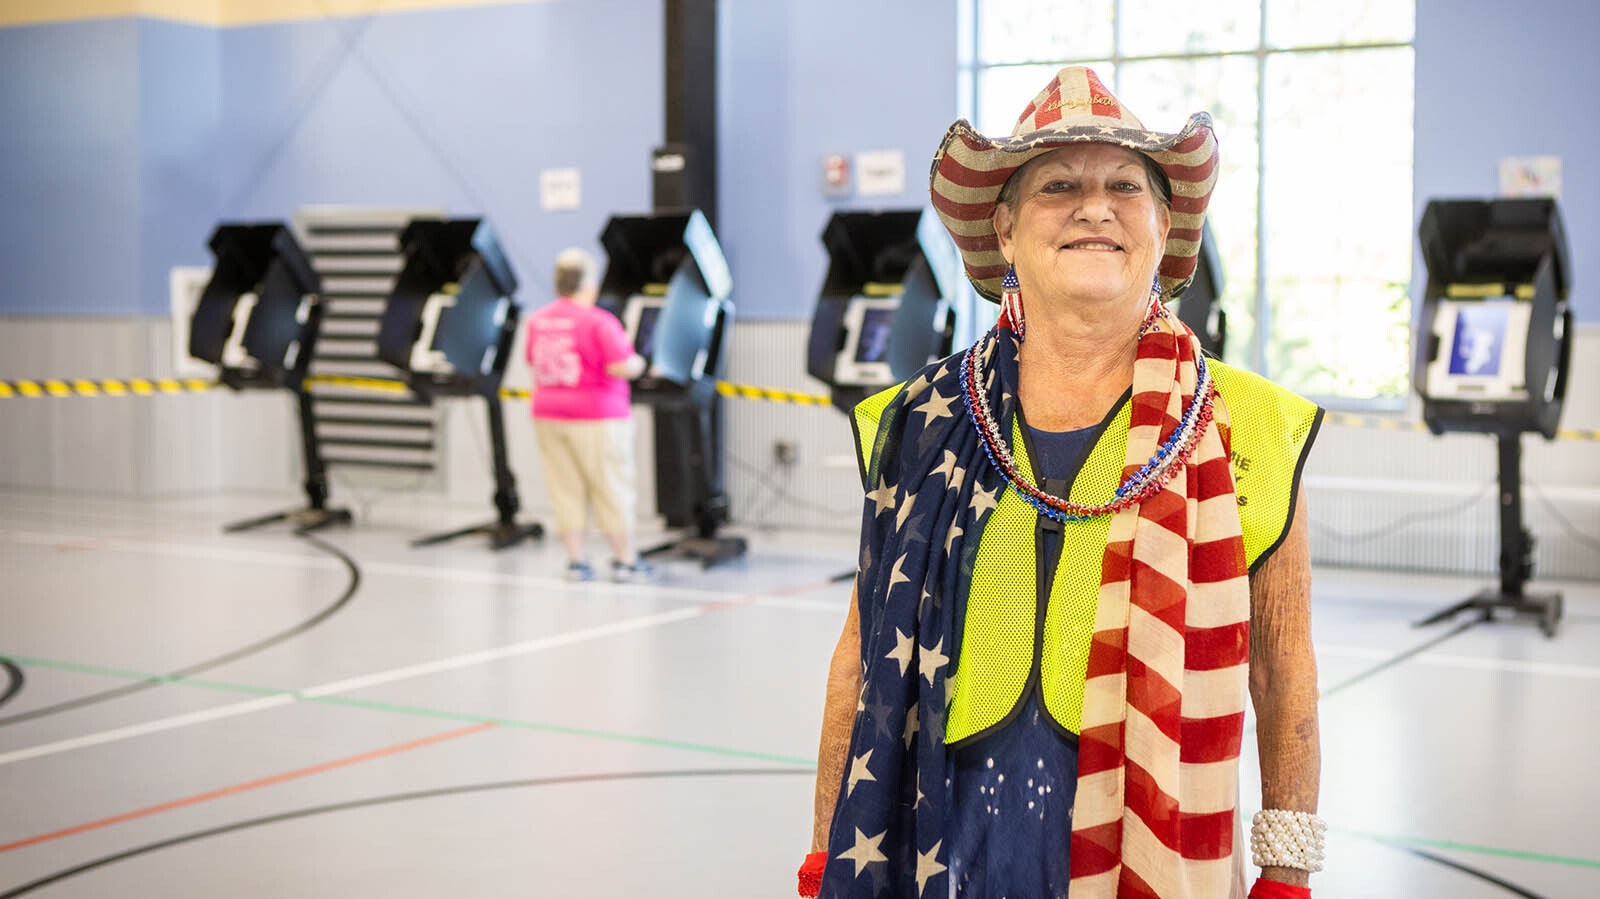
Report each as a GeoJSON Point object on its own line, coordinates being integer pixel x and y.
{"type": "Point", "coordinates": [179, 106]}
{"type": "Point", "coordinates": [69, 169]}
{"type": "Point", "coordinates": [1512, 79]}
{"type": "Point", "coordinates": [124, 138]}
{"type": "Point", "coordinates": [801, 80]}
{"type": "Point", "coordinates": [459, 110]}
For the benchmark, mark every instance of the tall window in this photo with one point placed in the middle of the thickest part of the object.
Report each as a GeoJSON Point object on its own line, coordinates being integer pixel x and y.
{"type": "Point", "coordinates": [1313, 108]}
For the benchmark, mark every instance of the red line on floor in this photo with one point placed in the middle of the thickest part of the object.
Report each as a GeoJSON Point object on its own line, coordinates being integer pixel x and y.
{"type": "Point", "coordinates": [754, 598]}
{"type": "Point", "coordinates": [249, 785]}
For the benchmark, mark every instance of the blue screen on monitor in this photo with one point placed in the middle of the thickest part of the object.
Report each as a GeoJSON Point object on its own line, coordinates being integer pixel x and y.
{"type": "Point", "coordinates": [873, 343]}
{"type": "Point", "coordinates": [644, 340]}
{"type": "Point", "coordinates": [1479, 339]}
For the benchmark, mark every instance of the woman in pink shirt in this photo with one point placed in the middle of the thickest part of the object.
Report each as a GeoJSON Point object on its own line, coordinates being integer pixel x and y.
{"type": "Point", "coordinates": [582, 362]}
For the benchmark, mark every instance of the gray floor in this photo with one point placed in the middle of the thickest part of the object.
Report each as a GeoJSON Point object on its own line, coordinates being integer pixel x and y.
{"type": "Point", "coordinates": [220, 715]}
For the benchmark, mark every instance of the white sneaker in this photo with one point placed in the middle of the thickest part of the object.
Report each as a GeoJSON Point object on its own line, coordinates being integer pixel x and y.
{"type": "Point", "coordinates": [639, 572]}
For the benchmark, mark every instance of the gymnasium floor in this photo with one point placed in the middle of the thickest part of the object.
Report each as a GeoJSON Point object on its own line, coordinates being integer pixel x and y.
{"type": "Point", "coordinates": [193, 714]}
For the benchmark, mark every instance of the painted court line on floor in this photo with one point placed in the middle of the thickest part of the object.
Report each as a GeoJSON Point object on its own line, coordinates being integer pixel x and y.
{"type": "Point", "coordinates": [426, 712]}
{"type": "Point", "coordinates": [1453, 660]}
{"type": "Point", "coordinates": [348, 684]}
{"type": "Point", "coordinates": [313, 559]}
{"type": "Point", "coordinates": [248, 786]}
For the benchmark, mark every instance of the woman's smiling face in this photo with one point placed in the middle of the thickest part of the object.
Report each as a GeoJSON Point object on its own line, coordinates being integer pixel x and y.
{"type": "Point", "coordinates": [1086, 228]}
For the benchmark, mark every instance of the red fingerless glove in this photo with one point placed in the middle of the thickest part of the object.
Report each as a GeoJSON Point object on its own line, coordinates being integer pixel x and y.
{"type": "Point", "coordinates": [811, 874]}
{"type": "Point", "coordinates": [1275, 889]}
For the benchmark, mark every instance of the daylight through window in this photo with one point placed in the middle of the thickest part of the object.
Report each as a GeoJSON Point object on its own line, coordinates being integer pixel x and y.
{"type": "Point", "coordinates": [1313, 109]}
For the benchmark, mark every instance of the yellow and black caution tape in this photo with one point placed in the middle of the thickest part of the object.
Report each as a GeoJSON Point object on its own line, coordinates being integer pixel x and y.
{"type": "Point", "coordinates": [57, 387]}
{"type": "Point", "coordinates": [771, 394]}
{"type": "Point", "coordinates": [387, 385]}
{"type": "Point", "coordinates": [1376, 422]}
{"type": "Point", "coordinates": [1386, 423]}
{"type": "Point", "coordinates": [726, 388]}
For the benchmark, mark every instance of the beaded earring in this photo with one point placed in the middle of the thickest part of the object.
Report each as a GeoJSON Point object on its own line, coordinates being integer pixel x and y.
{"type": "Point", "coordinates": [1011, 303]}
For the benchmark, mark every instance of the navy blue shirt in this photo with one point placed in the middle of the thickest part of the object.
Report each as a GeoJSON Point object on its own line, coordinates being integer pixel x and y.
{"type": "Point", "coordinates": [1012, 789]}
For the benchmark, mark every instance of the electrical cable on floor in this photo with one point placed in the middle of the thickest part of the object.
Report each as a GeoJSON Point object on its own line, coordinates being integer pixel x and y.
{"type": "Point", "coordinates": [766, 489]}
{"type": "Point", "coordinates": [14, 680]}
{"type": "Point", "coordinates": [765, 479]}
{"type": "Point", "coordinates": [1399, 657]}
{"type": "Point", "coordinates": [367, 497]}
{"type": "Point", "coordinates": [1571, 529]}
{"type": "Point", "coordinates": [234, 655]}
{"type": "Point", "coordinates": [384, 800]}
{"type": "Point", "coordinates": [1404, 521]}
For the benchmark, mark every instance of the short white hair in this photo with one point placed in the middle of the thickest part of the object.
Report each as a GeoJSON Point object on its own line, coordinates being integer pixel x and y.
{"type": "Point", "coordinates": [576, 270]}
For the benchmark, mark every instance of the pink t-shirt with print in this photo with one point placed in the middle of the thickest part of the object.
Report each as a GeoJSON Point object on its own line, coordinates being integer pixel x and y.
{"type": "Point", "coordinates": [569, 347]}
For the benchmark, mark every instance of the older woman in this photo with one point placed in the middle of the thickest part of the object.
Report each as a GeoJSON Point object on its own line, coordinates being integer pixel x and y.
{"type": "Point", "coordinates": [1081, 548]}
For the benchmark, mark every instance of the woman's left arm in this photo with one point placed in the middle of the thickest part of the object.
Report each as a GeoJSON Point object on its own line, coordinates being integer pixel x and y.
{"type": "Point", "coordinates": [1283, 680]}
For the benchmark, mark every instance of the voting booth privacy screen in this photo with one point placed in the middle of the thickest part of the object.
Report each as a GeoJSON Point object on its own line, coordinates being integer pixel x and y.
{"type": "Point", "coordinates": [893, 299]}
{"type": "Point", "coordinates": [1200, 306]}
{"type": "Point", "coordinates": [1492, 353]}
{"type": "Point", "coordinates": [668, 282]}
{"type": "Point", "coordinates": [259, 313]}
{"type": "Point", "coordinates": [450, 321]}
{"type": "Point", "coordinates": [1496, 331]}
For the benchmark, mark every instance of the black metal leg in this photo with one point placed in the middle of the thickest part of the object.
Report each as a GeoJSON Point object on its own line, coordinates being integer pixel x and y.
{"type": "Point", "coordinates": [504, 531]}
{"type": "Point", "coordinates": [1516, 556]}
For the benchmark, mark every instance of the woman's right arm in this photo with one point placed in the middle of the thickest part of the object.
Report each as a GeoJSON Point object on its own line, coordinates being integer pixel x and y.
{"type": "Point", "coordinates": [838, 717]}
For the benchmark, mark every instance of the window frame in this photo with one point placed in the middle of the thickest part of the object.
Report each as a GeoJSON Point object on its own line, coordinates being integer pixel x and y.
{"type": "Point", "coordinates": [969, 40]}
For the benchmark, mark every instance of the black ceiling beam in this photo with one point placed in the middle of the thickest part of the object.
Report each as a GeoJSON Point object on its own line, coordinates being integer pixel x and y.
{"type": "Point", "coordinates": [690, 180]}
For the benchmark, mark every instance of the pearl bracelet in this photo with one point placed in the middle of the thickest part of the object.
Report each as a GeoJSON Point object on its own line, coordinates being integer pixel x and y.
{"type": "Point", "coordinates": [1287, 839]}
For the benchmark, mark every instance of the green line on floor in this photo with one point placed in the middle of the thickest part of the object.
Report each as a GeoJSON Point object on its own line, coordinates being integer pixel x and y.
{"type": "Point", "coordinates": [1393, 840]}
{"type": "Point", "coordinates": [416, 711]}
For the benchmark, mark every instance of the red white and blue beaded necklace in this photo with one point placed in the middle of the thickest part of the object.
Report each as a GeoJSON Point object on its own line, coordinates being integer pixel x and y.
{"type": "Point", "coordinates": [1169, 459]}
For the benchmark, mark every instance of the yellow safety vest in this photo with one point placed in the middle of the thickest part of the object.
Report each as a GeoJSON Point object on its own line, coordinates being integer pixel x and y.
{"type": "Point", "coordinates": [1002, 635]}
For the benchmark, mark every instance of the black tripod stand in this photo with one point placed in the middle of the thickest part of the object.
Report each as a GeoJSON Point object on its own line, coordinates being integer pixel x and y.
{"type": "Point", "coordinates": [1516, 555]}
{"type": "Point", "coordinates": [316, 514]}
{"type": "Point", "coordinates": [504, 531]}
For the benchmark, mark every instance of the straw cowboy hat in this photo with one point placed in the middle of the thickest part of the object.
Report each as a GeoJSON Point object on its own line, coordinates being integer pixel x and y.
{"type": "Point", "coordinates": [969, 170]}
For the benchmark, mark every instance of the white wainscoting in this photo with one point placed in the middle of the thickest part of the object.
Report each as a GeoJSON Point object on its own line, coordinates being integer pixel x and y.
{"type": "Point", "coordinates": [1400, 499]}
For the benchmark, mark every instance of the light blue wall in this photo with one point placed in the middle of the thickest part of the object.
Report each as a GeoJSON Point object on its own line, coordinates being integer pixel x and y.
{"type": "Point", "coordinates": [123, 141]}
{"type": "Point", "coordinates": [1501, 79]}
{"type": "Point", "coordinates": [459, 110]}
{"type": "Point", "coordinates": [69, 169]}
{"type": "Point", "coordinates": [180, 104]}
{"type": "Point", "coordinates": [801, 80]}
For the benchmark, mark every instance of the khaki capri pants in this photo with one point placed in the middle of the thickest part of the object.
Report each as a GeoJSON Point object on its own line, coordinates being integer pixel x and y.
{"type": "Point", "coordinates": [589, 463]}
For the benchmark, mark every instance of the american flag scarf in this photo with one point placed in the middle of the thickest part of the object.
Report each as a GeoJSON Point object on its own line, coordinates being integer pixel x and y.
{"type": "Point", "coordinates": [1163, 714]}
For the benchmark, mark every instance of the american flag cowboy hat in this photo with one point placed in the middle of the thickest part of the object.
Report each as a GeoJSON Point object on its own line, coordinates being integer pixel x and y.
{"type": "Point", "coordinates": [969, 170]}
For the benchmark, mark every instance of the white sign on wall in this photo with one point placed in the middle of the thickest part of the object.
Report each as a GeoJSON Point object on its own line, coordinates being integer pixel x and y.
{"type": "Point", "coordinates": [880, 172]}
{"type": "Point", "coordinates": [1530, 176]}
{"type": "Point", "coordinates": [560, 189]}
{"type": "Point", "coordinates": [185, 284]}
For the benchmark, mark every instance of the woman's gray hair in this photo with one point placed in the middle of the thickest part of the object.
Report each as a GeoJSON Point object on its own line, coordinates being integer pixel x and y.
{"type": "Point", "coordinates": [576, 270]}
{"type": "Point", "coordinates": [1159, 182]}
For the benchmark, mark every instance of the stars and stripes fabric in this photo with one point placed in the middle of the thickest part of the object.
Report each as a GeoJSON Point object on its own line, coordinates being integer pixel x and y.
{"type": "Point", "coordinates": [1164, 701]}
{"type": "Point", "coordinates": [930, 490]}
{"type": "Point", "coordinates": [1163, 714]}
{"type": "Point", "coordinates": [1074, 107]}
